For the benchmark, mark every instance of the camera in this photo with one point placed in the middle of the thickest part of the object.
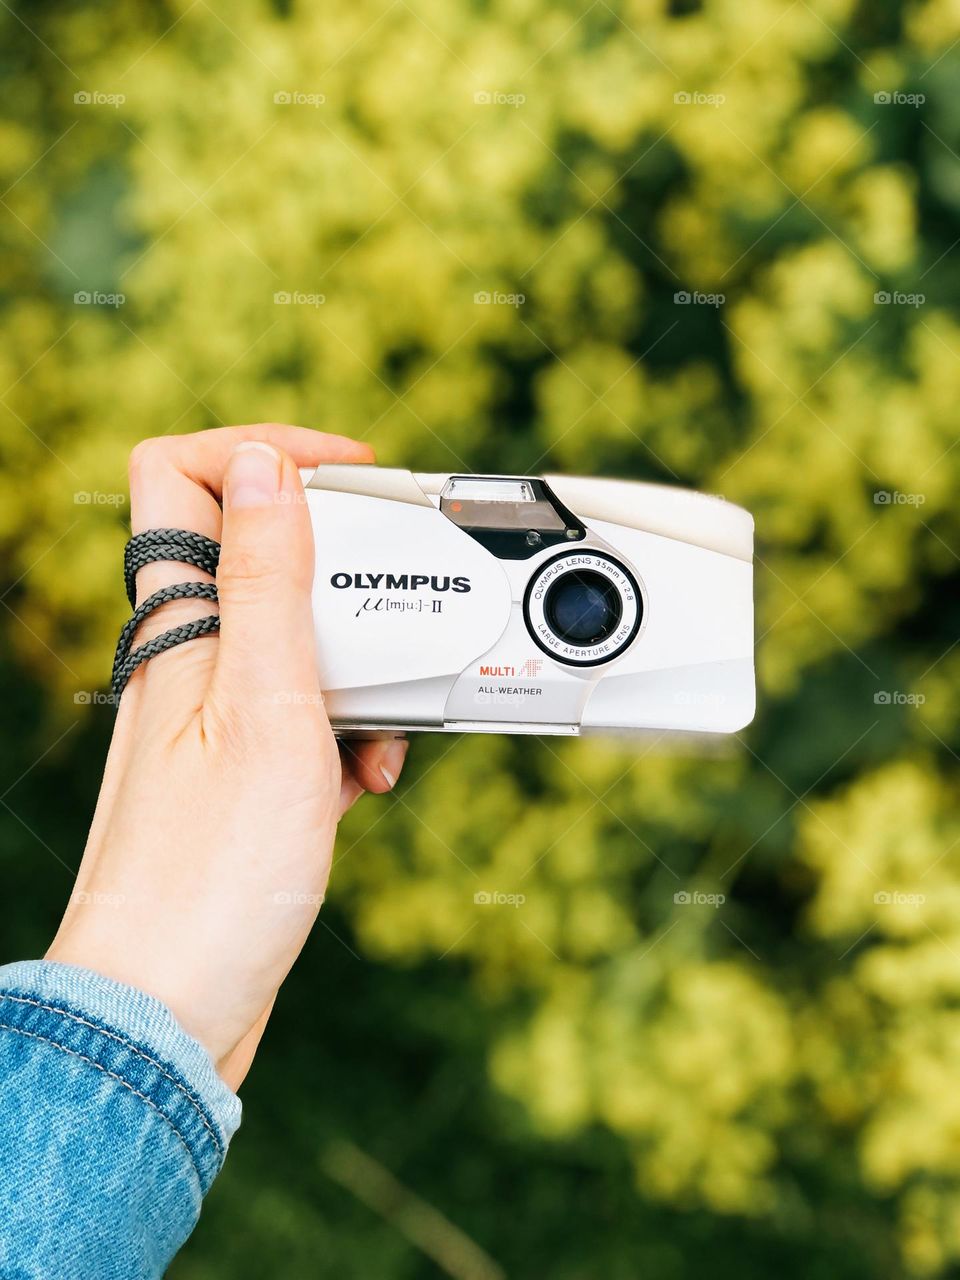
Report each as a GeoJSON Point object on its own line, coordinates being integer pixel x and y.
{"type": "Point", "coordinates": [525, 604]}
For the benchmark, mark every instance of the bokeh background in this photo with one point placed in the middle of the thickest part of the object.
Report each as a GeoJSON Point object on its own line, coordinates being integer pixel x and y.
{"type": "Point", "coordinates": [719, 243]}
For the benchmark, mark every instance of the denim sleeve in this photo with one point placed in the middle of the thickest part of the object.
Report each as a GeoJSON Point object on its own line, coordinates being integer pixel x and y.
{"type": "Point", "coordinates": [113, 1125]}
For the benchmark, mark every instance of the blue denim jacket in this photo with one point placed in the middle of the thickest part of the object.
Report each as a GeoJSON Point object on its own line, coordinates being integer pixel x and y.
{"type": "Point", "coordinates": [113, 1125]}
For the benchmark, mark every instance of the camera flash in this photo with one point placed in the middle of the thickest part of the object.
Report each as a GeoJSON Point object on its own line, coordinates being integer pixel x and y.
{"type": "Point", "coordinates": [495, 489]}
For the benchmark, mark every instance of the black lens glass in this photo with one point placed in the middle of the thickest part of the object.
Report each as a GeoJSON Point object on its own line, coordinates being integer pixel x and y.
{"type": "Point", "coordinates": [583, 607]}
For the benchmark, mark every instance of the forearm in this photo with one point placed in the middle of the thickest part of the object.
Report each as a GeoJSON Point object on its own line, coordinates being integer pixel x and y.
{"type": "Point", "coordinates": [113, 1125]}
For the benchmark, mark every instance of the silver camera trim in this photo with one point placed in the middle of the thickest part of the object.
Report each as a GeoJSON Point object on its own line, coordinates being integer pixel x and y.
{"type": "Point", "coordinates": [632, 599]}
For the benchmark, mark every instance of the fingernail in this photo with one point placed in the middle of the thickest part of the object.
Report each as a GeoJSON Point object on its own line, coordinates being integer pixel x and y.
{"type": "Point", "coordinates": [253, 478]}
{"type": "Point", "coordinates": [392, 760]}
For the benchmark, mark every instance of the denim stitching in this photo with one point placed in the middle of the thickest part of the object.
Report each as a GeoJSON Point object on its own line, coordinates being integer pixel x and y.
{"type": "Point", "coordinates": [49, 1008]}
{"type": "Point", "coordinates": [119, 1079]}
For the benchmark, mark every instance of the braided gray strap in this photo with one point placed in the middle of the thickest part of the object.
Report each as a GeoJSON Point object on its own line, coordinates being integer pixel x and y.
{"type": "Point", "coordinates": [167, 544]}
{"type": "Point", "coordinates": [146, 548]}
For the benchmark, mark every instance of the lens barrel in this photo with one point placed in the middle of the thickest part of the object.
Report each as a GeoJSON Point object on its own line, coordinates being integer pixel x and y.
{"type": "Point", "coordinates": [583, 607]}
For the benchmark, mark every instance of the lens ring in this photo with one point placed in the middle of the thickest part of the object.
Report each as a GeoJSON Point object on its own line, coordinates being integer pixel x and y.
{"type": "Point", "coordinates": [583, 608]}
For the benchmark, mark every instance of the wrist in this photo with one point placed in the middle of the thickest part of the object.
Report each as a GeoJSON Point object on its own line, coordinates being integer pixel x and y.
{"type": "Point", "coordinates": [116, 960]}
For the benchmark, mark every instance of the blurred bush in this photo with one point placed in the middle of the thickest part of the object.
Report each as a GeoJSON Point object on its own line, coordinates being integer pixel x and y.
{"type": "Point", "coordinates": [720, 239]}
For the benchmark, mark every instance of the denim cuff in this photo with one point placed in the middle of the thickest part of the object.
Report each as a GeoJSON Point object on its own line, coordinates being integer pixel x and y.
{"type": "Point", "coordinates": [131, 1037]}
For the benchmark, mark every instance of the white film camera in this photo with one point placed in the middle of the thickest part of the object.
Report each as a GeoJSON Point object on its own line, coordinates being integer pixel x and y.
{"type": "Point", "coordinates": [554, 605]}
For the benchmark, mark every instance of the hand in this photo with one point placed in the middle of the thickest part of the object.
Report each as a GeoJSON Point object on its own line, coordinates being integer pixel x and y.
{"type": "Point", "coordinates": [211, 843]}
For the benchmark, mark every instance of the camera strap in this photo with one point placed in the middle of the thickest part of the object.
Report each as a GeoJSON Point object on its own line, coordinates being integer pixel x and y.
{"type": "Point", "coordinates": [181, 546]}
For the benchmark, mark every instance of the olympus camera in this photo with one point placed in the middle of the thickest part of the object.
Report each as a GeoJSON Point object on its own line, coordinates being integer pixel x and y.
{"type": "Point", "coordinates": [522, 604]}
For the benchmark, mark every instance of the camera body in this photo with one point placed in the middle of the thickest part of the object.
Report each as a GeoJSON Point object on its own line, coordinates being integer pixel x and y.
{"type": "Point", "coordinates": [546, 605]}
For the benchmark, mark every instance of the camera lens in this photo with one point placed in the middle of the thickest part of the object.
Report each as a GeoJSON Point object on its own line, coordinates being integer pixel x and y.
{"type": "Point", "coordinates": [583, 607]}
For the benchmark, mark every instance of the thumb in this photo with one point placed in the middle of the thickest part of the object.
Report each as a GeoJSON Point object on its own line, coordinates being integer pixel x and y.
{"type": "Point", "coordinates": [266, 652]}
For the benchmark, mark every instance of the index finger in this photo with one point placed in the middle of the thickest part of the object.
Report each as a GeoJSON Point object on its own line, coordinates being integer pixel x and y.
{"type": "Point", "coordinates": [177, 481]}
